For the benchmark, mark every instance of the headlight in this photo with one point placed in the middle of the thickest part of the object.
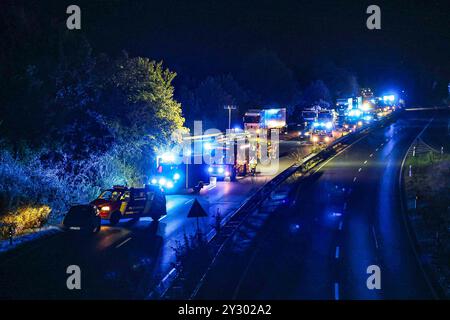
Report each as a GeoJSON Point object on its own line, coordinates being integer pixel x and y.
{"type": "Point", "coordinates": [227, 174]}
{"type": "Point", "coordinates": [169, 184]}
{"type": "Point", "coordinates": [327, 139]}
{"type": "Point", "coordinates": [315, 124]}
{"type": "Point", "coordinates": [315, 138]}
{"type": "Point", "coordinates": [220, 170]}
{"type": "Point", "coordinates": [162, 181]}
{"type": "Point", "coordinates": [176, 176]}
{"type": "Point", "coordinates": [154, 181]}
{"type": "Point", "coordinates": [105, 208]}
{"type": "Point", "coordinates": [328, 125]}
{"type": "Point", "coordinates": [210, 169]}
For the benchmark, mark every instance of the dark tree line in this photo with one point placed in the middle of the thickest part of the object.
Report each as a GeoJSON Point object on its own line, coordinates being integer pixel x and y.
{"type": "Point", "coordinates": [73, 121]}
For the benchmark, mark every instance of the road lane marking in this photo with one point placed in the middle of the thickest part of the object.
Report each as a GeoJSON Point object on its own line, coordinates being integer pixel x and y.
{"type": "Point", "coordinates": [340, 225]}
{"type": "Point", "coordinates": [354, 179]}
{"type": "Point", "coordinates": [371, 155]}
{"type": "Point", "coordinates": [336, 291]}
{"type": "Point", "coordinates": [377, 149]}
{"type": "Point", "coordinates": [336, 255]}
{"type": "Point", "coordinates": [375, 237]}
{"type": "Point", "coordinates": [339, 153]}
{"type": "Point", "coordinates": [365, 162]}
{"type": "Point", "coordinates": [189, 201]}
{"type": "Point", "coordinates": [123, 242]}
{"type": "Point", "coordinates": [359, 170]}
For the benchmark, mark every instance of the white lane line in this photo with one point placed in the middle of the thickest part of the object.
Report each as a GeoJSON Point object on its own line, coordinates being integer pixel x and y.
{"type": "Point", "coordinates": [365, 162]}
{"type": "Point", "coordinates": [336, 255]}
{"type": "Point", "coordinates": [339, 153]}
{"type": "Point", "coordinates": [371, 155]}
{"type": "Point", "coordinates": [354, 179]}
{"type": "Point", "coordinates": [359, 170]}
{"type": "Point", "coordinates": [377, 149]}
{"type": "Point", "coordinates": [340, 225]}
{"type": "Point", "coordinates": [336, 291]}
{"type": "Point", "coordinates": [382, 144]}
{"type": "Point", "coordinates": [375, 236]}
{"type": "Point", "coordinates": [123, 242]}
{"type": "Point", "coordinates": [189, 201]}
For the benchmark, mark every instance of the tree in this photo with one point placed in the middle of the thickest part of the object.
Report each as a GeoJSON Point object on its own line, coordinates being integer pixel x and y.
{"type": "Point", "coordinates": [340, 81]}
{"type": "Point", "coordinates": [317, 93]}
{"type": "Point", "coordinates": [206, 101]}
{"type": "Point", "coordinates": [268, 79]}
{"type": "Point", "coordinates": [144, 99]}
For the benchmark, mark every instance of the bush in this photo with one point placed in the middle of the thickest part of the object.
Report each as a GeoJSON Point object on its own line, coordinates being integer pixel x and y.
{"type": "Point", "coordinates": [24, 219]}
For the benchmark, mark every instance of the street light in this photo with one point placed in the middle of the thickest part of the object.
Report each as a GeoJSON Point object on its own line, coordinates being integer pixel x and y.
{"type": "Point", "coordinates": [229, 108]}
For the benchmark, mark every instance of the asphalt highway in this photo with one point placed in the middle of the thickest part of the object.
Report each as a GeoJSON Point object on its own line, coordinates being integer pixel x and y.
{"type": "Point", "coordinates": [343, 219]}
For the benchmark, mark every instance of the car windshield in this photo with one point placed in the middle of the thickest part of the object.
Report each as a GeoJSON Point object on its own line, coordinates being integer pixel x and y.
{"type": "Point", "coordinates": [252, 119]}
{"type": "Point", "coordinates": [109, 195]}
{"type": "Point", "coordinates": [80, 212]}
{"type": "Point", "coordinates": [308, 114]}
{"type": "Point", "coordinates": [325, 116]}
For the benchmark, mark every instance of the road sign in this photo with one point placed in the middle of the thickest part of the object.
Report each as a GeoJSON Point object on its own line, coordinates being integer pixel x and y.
{"type": "Point", "coordinates": [197, 210]}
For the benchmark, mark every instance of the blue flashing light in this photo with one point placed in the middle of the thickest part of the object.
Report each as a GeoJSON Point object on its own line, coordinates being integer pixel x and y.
{"type": "Point", "coordinates": [354, 113]}
{"type": "Point", "coordinates": [207, 146]}
{"type": "Point", "coordinates": [169, 184]}
{"type": "Point", "coordinates": [176, 176]}
{"type": "Point", "coordinates": [316, 124]}
{"type": "Point", "coordinates": [154, 181]}
{"type": "Point", "coordinates": [162, 181]}
{"type": "Point", "coordinates": [329, 125]}
{"type": "Point", "coordinates": [167, 157]}
{"type": "Point", "coordinates": [272, 111]}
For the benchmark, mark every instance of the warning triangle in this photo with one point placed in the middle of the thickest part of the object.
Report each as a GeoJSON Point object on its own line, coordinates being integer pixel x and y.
{"type": "Point", "coordinates": [197, 210]}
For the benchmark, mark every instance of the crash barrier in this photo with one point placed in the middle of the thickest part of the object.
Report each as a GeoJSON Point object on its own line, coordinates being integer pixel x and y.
{"type": "Point", "coordinates": [238, 218]}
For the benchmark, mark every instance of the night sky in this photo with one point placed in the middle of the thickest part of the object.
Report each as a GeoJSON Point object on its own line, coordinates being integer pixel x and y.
{"type": "Point", "coordinates": [200, 38]}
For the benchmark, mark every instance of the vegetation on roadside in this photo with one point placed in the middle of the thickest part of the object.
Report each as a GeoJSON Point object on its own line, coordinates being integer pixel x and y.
{"type": "Point", "coordinates": [78, 122]}
{"type": "Point", "coordinates": [430, 183]}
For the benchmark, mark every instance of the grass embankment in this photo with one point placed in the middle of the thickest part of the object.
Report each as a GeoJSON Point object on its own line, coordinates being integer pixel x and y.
{"type": "Point", "coordinates": [430, 213]}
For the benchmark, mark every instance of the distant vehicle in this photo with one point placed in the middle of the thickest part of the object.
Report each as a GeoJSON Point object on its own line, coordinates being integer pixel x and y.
{"type": "Point", "coordinates": [123, 202]}
{"type": "Point", "coordinates": [265, 119]}
{"type": "Point", "coordinates": [243, 163]}
{"type": "Point", "coordinates": [172, 176]}
{"type": "Point", "coordinates": [83, 218]}
{"type": "Point", "coordinates": [320, 138]}
{"type": "Point", "coordinates": [324, 124]}
{"type": "Point", "coordinates": [309, 115]}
